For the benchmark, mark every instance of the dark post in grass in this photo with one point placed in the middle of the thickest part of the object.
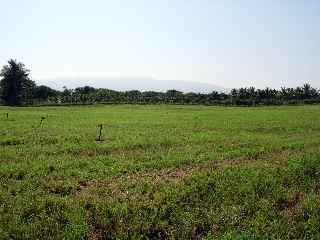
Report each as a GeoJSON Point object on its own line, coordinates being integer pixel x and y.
{"type": "Point", "coordinates": [7, 115]}
{"type": "Point", "coordinates": [41, 121]}
{"type": "Point", "coordinates": [100, 133]}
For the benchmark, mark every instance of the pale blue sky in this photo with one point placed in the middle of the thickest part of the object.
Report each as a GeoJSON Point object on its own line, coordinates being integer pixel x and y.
{"type": "Point", "coordinates": [228, 43]}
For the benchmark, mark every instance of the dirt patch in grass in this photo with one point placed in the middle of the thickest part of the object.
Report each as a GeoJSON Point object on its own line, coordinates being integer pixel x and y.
{"type": "Point", "coordinates": [96, 231]}
{"type": "Point", "coordinates": [90, 152]}
{"type": "Point", "coordinates": [95, 235]}
{"type": "Point", "coordinates": [176, 175]}
{"type": "Point", "coordinates": [114, 184]}
{"type": "Point", "coordinates": [284, 204]}
{"type": "Point", "coordinates": [288, 207]}
{"type": "Point", "coordinates": [172, 175]}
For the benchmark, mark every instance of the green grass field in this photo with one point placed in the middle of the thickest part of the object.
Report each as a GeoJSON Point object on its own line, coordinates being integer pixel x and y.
{"type": "Point", "coordinates": [161, 172]}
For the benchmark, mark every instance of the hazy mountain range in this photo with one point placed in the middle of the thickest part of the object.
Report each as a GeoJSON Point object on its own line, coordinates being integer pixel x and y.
{"type": "Point", "coordinates": [125, 84]}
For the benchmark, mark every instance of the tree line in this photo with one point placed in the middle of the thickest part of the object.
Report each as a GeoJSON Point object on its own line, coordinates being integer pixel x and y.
{"type": "Point", "coordinates": [16, 88]}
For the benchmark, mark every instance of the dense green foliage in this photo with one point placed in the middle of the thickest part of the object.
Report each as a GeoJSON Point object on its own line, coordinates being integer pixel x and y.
{"type": "Point", "coordinates": [16, 88]}
{"type": "Point", "coordinates": [243, 96]}
{"type": "Point", "coordinates": [161, 172]}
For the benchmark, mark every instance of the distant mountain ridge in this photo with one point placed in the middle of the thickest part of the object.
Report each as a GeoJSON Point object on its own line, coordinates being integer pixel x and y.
{"type": "Point", "coordinates": [126, 84]}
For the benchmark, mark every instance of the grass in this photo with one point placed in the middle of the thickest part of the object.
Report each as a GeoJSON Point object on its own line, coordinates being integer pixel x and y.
{"type": "Point", "coordinates": [160, 172]}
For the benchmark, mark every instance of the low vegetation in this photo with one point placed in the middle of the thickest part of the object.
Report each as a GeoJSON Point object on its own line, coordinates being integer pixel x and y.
{"type": "Point", "coordinates": [159, 172]}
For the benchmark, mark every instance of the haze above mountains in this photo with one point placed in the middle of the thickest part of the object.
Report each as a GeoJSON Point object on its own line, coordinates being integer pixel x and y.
{"type": "Point", "coordinates": [127, 84]}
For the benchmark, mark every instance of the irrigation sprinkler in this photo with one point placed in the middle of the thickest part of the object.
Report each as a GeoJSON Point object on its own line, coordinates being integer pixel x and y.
{"type": "Point", "coordinates": [100, 126]}
{"type": "Point", "coordinates": [41, 121]}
